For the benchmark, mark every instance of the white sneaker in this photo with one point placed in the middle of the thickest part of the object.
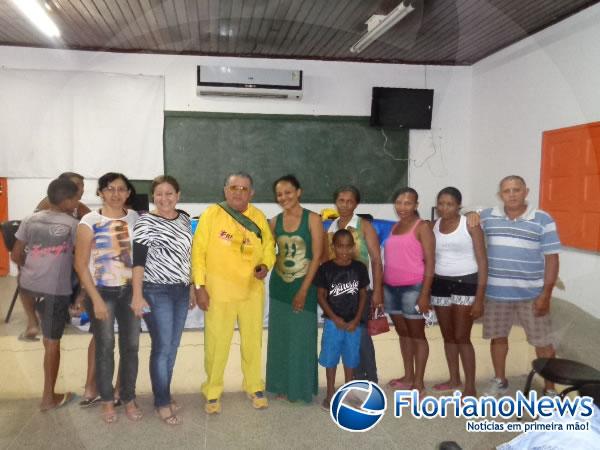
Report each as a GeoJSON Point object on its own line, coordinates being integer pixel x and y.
{"type": "Point", "coordinates": [550, 393]}
{"type": "Point", "coordinates": [496, 388]}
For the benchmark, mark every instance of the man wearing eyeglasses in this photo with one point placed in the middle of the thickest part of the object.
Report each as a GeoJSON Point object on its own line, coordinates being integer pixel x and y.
{"type": "Point", "coordinates": [232, 252]}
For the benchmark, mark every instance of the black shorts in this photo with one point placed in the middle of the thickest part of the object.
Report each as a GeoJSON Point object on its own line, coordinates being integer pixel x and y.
{"type": "Point", "coordinates": [54, 314]}
{"type": "Point", "coordinates": [461, 290]}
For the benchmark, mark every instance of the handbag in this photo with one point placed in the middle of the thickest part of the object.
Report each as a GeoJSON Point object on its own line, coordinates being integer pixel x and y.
{"type": "Point", "coordinates": [378, 322]}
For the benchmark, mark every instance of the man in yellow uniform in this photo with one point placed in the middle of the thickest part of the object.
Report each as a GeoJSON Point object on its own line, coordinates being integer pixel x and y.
{"type": "Point", "coordinates": [232, 252]}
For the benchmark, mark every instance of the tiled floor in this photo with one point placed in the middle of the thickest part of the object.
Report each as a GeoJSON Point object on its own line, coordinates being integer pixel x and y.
{"type": "Point", "coordinates": [283, 425]}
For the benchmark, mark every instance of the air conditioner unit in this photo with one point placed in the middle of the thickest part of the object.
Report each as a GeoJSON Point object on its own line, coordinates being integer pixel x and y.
{"type": "Point", "coordinates": [249, 82]}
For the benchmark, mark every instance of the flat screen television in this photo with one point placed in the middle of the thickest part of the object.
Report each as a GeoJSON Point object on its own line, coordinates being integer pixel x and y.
{"type": "Point", "coordinates": [401, 108]}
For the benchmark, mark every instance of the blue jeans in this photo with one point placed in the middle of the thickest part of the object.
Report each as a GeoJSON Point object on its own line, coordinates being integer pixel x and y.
{"type": "Point", "coordinates": [168, 311]}
{"type": "Point", "coordinates": [118, 303]}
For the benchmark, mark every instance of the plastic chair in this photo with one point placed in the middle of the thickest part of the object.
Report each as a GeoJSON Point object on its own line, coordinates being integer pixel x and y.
{"type": "Point", "coordinates": [570, 373]}
{"type": "Point", "coordinates": [9, 228]}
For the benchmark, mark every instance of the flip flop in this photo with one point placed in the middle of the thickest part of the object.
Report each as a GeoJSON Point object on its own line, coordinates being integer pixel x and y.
{"type": "Point", "coordinates": [172, 419]}
{"type": "Point", "coordinates": [89, 402]}
{"type": "Point", "coordinates": [66, 399]}
{"type": "Point", "coordinates": [133, 413]}
{"type": "Point", "coordinates": [25, 338]}
{"type": "Point", "coordinates": [445, 387]}
{"type": "Point", "coordinates": [109, 416]}
{"type": "Point", "coordinates": [397, 383]}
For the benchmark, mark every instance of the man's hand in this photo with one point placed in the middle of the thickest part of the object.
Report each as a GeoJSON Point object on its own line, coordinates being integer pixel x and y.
{"type": "Point", "coordinates": [473, 219]}
{"type": "Point", "coordinates": [541, 306]}
{"type": "Point", "coordinates": [260, 272]}
{"type": "Point", "coordinates": [202, 299]}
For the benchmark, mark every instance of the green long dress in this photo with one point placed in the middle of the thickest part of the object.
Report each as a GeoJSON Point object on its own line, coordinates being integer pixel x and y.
{"type": "Point", "coordinates": [292, 345]}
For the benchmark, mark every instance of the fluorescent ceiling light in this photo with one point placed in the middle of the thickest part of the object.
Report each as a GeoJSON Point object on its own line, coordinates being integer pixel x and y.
{"type": "Point", "coordinates": [377, 25]}
{"type": "Point", "coordinates": [38, 16]}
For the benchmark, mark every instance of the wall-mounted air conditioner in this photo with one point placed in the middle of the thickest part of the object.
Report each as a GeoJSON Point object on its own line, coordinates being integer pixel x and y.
{"type": "Point", "coordinates": [249, 82]}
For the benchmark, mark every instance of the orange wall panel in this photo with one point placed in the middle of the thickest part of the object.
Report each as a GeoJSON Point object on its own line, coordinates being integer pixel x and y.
{"type": "Point", "coordinates": [570, 183]}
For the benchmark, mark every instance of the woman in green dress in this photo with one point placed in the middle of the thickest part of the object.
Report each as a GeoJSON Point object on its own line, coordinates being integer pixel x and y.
{"type": "Point", "coordinates": [292, 345]}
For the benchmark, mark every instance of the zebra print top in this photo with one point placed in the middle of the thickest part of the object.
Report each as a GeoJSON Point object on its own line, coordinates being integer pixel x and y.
{"type": "Point", "coordinates": [163, 247]}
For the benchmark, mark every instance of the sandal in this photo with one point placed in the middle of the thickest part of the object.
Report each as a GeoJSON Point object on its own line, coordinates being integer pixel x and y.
{"type": "Point", "coordinates": [171, 419]}
{"type": "Point", "coordinates": [397, 383]}
{"type": "Point", "coordinates": [441, 387]}
{"type": "Point", "coordinates": [133, 412]}
{"type": "Point", "coordinates": [88, 402]}
{"type": "Point", "coordinates": [175, 406]}
{"type": "Point", "coordinates": [65, 399]}
{"type": "Point", "coordinates": [27, 337]}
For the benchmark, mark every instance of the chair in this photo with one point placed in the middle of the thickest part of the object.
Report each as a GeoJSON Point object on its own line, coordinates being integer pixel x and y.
{"type": "Point", "coordinates": [591, 390]}
{"type": "Point", "coordinates": [9, 229]}
{"type": "Point", "coordinates": [570, 373]}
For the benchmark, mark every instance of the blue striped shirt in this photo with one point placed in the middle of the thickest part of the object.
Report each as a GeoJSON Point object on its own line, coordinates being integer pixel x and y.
{"type": "Point", "coordinates": [516, 250]}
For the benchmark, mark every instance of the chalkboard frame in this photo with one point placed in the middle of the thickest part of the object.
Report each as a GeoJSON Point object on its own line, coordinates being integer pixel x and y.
{"type": "Point", "coordinates": [393, 155]}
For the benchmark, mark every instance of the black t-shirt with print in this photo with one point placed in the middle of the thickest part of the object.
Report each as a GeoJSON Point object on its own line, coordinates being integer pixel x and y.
{"type": "Point", "coordinates": [342, 284]}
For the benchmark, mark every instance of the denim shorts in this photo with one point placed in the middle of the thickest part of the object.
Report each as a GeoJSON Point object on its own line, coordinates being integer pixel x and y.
{"type": "Point", "coordinates": [402, 300]}
{"type": "Point", "coordinates": [336, 343]}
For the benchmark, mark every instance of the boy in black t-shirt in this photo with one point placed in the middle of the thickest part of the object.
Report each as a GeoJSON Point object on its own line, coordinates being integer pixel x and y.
{"type": "Point", "coordinates": [342, 295]}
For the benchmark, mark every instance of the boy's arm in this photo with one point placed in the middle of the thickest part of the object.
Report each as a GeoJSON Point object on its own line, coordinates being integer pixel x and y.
{"type": "Point", "coordinates": [362, 301]}
{"type": "Point", "coordinates": [18, 254]}
{"type": "Point", "coordinates": [324, 304]}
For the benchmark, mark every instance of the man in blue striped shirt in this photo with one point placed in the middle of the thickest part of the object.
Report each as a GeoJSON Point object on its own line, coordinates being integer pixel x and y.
{"type": "Point", "coordinates": [523, 247]}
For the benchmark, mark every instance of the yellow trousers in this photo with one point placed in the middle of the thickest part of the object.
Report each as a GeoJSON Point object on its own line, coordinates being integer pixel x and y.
{"type": "Point", "coordinates": [219, 323]}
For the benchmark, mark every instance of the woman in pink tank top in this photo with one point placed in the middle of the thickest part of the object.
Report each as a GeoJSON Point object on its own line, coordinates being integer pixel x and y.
{"type": "Point", "coordinates": [407, 276]}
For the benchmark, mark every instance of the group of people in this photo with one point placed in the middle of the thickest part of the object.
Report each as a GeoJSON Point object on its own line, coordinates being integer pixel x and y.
{"type": "Point", "coordinates": [501, 263]}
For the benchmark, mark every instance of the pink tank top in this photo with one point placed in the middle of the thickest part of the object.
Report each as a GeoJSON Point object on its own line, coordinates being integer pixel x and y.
{"type": "Point", "coordinates": [404, 259]}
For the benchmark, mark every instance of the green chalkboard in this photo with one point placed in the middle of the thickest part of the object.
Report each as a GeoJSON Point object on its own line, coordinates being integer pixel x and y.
{"type": "Point", "coordinates": [324, 152]}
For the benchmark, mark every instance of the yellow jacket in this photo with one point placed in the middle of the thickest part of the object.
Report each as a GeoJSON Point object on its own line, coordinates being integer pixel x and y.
{"type": "Point", "coordinates": [224, 255]}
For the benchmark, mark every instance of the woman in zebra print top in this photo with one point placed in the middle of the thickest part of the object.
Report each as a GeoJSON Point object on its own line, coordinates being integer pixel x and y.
{"type": "Point", "coordinates": [162, 243]}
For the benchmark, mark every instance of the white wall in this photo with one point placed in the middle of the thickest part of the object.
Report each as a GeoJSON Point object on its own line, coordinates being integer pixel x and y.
{"type": "Point", "coordinates": [331, 88]}
{"type": "Point", "coordinates": [545, 82]}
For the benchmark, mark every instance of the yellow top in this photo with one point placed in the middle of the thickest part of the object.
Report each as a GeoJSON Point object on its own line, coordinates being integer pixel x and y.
{"type": "Point", "coordinates": [225, 254]}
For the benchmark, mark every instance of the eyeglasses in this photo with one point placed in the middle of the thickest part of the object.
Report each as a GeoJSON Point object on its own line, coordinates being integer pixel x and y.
{"type": "Point", "coordinates": [112, 189]}
{"type": "Point", "coordinates": [233, 188]}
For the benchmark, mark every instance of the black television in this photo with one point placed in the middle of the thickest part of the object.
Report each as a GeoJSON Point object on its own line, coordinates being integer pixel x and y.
{"type": "Point", "coordinates": [401, 108]}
